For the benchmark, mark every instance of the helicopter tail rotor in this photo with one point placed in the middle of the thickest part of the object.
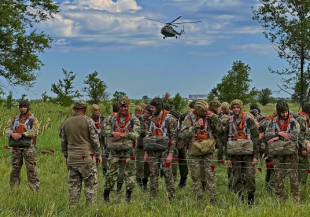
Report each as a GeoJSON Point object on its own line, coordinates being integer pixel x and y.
{"type": "Point", "coordinates": [182, 31]}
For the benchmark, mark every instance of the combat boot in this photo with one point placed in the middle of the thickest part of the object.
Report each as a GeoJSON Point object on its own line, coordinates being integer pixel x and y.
{"type": "Point", "coordinates": [128, 196]}
{"type": "Point", "coordinates": [139, 181]}
{"type": "Point", "coordinates": [204, 186]}
{"type": "Point", "coordinates": [144, 181]}
{"type": "Point", "coordinates": [118, 187]}
{"type": "Point", "coordinates": [182, 183]}
{"type": "Point", "coordinates": [106, 194]}
{"type": "Point", "coordinates": [250, 199]}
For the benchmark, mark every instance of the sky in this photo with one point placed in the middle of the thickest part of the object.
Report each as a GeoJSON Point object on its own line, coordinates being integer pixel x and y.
{"type": "Point", "coordinates": [129, 53]}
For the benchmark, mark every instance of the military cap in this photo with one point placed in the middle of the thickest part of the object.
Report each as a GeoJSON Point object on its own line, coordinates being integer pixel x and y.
{"type": "Point", "coordinates": [80, 104]}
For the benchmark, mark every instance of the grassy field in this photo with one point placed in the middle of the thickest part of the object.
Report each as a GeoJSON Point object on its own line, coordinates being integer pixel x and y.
{"type": "Point", "coordinates": [52, 200]}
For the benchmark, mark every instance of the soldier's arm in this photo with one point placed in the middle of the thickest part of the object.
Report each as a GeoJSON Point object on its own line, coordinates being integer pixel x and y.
{"type": "Point", "coordinates": [295, 131]}
{"type": "Point", "coordinates": [173, 133]}
{"type": "Point", "coordinates": [34, 131]}
{"type": "Point", "coordinates": [216, 124]}
{"type": "Point", "coordinates": [188, 131]}
{"type": "Point", "coordinates": [8, 129]}
{"type": "Point", "coordinates": [107, 131]}
{"type": "Point", "coordinates": [255, 139]}
{"type": "Point", "coordinates": [269, 134]}
{"type": "Point", "coordinates": [302, 135]}
{"type": "Point", "coordinates": [94, 137]}
{"type": "Point", "coordinates": [64, 142]}
{"type": "Point", "coordinates": [135, 132]}
{"type": "Point", "coordinates": [225, 139]}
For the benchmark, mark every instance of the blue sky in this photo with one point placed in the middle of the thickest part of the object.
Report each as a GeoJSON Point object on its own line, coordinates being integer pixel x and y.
{"type": "Point", "coordinates": [130, 55]}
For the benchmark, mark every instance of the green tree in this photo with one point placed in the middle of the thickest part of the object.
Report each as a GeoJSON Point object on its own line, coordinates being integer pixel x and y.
{"type": "Point", "coordinates": [179, 102]}
{"type": "Point", "coordinates": [20, 42]}
{"type": "Point", "coordinates": [9, 100]}
{"type": "Point", "coordinates": [95, 89]}
{"type": "Point", "coordinates": [286, 25]}
{"type": "Point", "coordinates": [117, 95]}
{"type": "Point", "coordinates": [236, 84]}
{"type": "Point", "coordinates": [264, 96]}
{"type": "Point", "coordinates": [64, 89]}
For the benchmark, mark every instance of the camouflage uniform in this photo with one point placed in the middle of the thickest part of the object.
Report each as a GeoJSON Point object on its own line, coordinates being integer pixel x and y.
{"type": "Point", "coordinates": [287, 164]}
{"type": "Point", "coordinates": [142, 168]}
{"type": "Point", "coordinates": [159, 157]}
{"type": "Point", "coordinates": [81, 147]}
{"type": "Point", "coordinates": [303, 161]}
{"type": "Point", "coordinates": [243, 169]}
{"type": "Point", "coordinates": [121, 159]}
{"type": "Point", "coordinates": [28, 154]}
{"type": "Point", "coordinates": [201, 164]}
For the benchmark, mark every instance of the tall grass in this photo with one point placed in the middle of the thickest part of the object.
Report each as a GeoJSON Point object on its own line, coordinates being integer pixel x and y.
{"type": "Point", "coordinates": [52, 200]}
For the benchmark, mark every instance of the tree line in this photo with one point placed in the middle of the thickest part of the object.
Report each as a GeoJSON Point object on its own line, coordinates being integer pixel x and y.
{"type": "Point", "coordinates": [285, 24]}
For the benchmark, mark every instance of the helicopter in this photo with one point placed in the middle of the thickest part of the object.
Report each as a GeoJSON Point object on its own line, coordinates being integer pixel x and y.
{"type": "Point", "coordinates": [168, 31]}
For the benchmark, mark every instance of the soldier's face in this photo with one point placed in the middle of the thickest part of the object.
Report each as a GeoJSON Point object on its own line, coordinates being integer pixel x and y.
{"type": "Point", "coordinates": [219, 110]}
{"type": "Point", "coordinates": [284, 115]}
{"type": "Point", "coordinates": [236, 109]}
{"type": "Point", "coordinates": [153, 109]}
{"type": "Point", "coordinates": [146, 114]}
{"type": "Point", "coordinates": [224, 111]}
{"type": "Point", "coordinates": [123, 109]}
{"type": "Point", "coordinates": [23, 110]}
{"type": "Point", "coordinates": [96, 112]}
{"type": "Point", "coordinates": [137, 114]}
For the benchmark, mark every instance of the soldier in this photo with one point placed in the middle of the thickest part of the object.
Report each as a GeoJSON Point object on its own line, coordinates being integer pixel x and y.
{"type": "Point", "coordinates": [283, 132]}
{"type": "Point", "coordinates": [142, 168]}
{"type": "Point", "coordinates": [20, 130]}
{"type": "Point", "coordinates": [98, 120]}
{"type": "Point", "coordinates": [180, 154]}
{"type": "Point", "coordinates": [241, 138]}
{"type": "Point", "coordinates": [199, 126]}
{"type": "Point", "coordinates": [121, 132]}
{"type": "Point", "coordinates": [303, 161]}
{"type": "Point", "coordinates": [105, 151]}
{"type": "Point", "coordinates": [225, 109]}
{"type": "Point", "coordinates": [159, 146]}
{"type": "Point", "coordinates": [81, 148]}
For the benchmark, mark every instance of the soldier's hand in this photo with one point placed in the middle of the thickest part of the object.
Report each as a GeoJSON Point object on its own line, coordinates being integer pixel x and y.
{"type": "Point", "coordinates": [116, 135]}
{"type": "Point", "coordinates": [146, 157]}
{"type": "Point", "coordinates": [229, 164]}
{"type": "Point", "coordinates": [255, 161]}
{"type": "Point", "coordinates": [273, 139]}
{"type": "Point", "coordinates": [16, 136]}
{"type": "Point", "coordinates": [98, 160]}
{"type": "Point", "coordinates": [200, 122]}
{"type": "Point", "coordinates": [261, 136]}
{"type": "Point", "coordinates": [169, 158]}
{"type": "Point", "coordinates": [285, 135]}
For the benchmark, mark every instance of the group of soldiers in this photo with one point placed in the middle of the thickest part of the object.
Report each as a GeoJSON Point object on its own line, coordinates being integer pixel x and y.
{"type": "Point", "coordinates": [157, 140]}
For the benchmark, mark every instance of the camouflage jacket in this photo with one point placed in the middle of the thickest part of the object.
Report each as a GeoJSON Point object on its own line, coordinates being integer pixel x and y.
{"type": "Point", "coordinates": [93, 138]}
{"type": "Point", "coordinates": [189, 129]}
{"type": "Point", "coordinates": [144, 129]}
{"type": "Point", "coordinates": [294, 130]}
{"type": "Point", "coordinates": [133, 134]}
{"type": "Point", "coordinates": [254, 136]}
{"type": "Point", "coordinates": [33, 132]}
{"type": "Point", "coordinates": [171, 131]}
{"type": "Point", "coordinates": [302, 120]}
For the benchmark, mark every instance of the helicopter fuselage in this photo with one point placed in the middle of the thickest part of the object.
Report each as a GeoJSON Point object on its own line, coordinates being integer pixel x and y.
{"type": "Point", "coordinates": [168, 31]}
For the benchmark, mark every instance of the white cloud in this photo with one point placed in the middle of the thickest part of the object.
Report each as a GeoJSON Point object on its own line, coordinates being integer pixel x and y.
{"type": "Point", "coordinates": [260, 49]}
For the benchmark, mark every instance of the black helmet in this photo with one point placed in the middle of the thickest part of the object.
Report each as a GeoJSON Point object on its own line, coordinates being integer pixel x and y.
{"type": "Point", "coordinates": [281, 106]}
{"type": "Point", "coordinates": [253, 106]}
{"type": "Point", "coordinates": [175, 113]}
{"type": "Point", "coordinates": [158, 104]}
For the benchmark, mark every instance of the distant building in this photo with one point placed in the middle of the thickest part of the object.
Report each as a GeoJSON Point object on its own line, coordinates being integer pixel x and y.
{"type": "Point", "coordinates": [198, 96]}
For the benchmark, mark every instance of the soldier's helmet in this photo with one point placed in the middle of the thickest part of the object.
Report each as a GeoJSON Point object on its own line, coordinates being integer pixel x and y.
{"type": "Point", "coordinates": [158, 104]}
{"type": "Point", "coordinates": [200, 107]}
{"type": "Point", "coordinates": [281, 106]}
{"type": "Point", "coordinates": [175, 113]}
{"type": "Point", "coordinates": [95, 107]}
{"type": "Point", "coordinates": [214, 105]}
{"type": "Point", "coordinates": [237, 102]}
{"type": "Point", "coordinates": [80, 104]}
{"type": "Point", "coordinates": [124, 101]}
{"type": "Point", "coordinates": [24, 103]}
{"type": "Point", "coordinates": [225, 105]}
{"type": "Point", "coordinates": [253, 106]}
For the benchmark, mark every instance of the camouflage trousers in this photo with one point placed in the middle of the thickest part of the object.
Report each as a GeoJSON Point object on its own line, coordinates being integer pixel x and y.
{"type": "Point", "coordinates": [76, 175]}
{"type": "Point", "coordinates": [202, 165]}
{"type": "Point", "coordinates": [142, 168]}
{"type": "Point", "coordinates": [118, 162]}
{"type": "Point", "coordinates": [303, 166]}
{"type": "Point", "coordinates": [243, 174]}
{"type": "Point", "coordinates": [286, 166]}
{"type": "Point", "coordinates": [155, 159]}
{"type": "Point", "coordinates": [182, 164]}
{"type": "Point", "coordinates": [269, 179]}
{"type": "Point", "coordinates": [17, 158]}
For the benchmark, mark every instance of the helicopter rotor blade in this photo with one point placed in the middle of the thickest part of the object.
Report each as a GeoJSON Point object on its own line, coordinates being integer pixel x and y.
{"type": "Point", "coordinates": [188, 22]}
{"type": "Point", "coordinates": [154, 20]}
{"type": "Point", "coordinates": [175, 19]}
